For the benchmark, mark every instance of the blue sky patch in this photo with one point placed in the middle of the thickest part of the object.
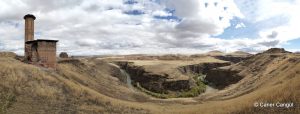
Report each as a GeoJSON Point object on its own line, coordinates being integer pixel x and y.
{"type": "Point", "coordinates": [292, 44]}
{"type": "Point", "coordinates": [168, 18]}
{"type": "Point", "coordinates": [272, 22]}
{"type": "Point", "coordinates": [130, 2]}
{"type": "Point", "coordinates": [134, 12]}
{"type": "Point", "coordinates": [250, 31]}
{"type": "Point", "coordinates": [171, 17]}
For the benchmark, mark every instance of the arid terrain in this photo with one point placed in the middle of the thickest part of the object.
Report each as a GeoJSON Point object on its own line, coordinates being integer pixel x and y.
{"type": "Point", "coordinates": [150, 84]}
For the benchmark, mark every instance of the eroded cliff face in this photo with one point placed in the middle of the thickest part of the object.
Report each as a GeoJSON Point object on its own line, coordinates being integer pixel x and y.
{"type": "Point", "coordinates": [161, 83]}
{"type": "Point", "coordinates": [223, 77]}
{"type": "Point", "coordinates": [217, 74]}
{"type": "Point", "coordinates": [233, 59]}
{"type": "Point", "coordinates": [201, 68]}
{"type": "Point", "coordinates": [154, 82]}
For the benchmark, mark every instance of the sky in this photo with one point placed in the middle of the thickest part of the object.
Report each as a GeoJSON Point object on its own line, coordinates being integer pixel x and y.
{"type": "Point", "coordinates": [99, 27]}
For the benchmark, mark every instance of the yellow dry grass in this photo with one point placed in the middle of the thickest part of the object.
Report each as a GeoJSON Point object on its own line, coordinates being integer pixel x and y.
{"type": "Point", "coordinates": [89, 87]}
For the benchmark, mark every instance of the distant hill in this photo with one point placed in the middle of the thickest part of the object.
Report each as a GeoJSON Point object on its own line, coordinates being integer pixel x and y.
{"type": "Point", "coordinates": [239, 53]}
{"type": "Point", "coordinates": [215, 52]}
{"type": "Point", "coordinates": [7, 54]}
{"type": "Point", "coordinates": [276, 50]}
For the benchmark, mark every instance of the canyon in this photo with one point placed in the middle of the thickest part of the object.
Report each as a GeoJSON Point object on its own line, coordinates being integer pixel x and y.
{"type": "Point", "coordinates": [151, 84]}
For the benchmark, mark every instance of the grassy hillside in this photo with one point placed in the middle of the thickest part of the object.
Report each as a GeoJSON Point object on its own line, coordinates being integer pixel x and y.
{"type": "Point", "coordinates": [92, 86]}
{"type": "Point", "coordinates": [74, 87]}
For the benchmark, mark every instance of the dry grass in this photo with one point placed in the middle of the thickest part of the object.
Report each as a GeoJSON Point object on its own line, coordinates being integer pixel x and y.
{"type": "Point", "coordinates": [88, 87]}
{"type": "Point", "coordinates": [7, 54]}
{"type": "Point", "coordinates": [38, 89]}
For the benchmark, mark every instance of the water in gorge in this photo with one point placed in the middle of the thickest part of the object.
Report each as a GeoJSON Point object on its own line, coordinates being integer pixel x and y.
{"type": "Point", "coordinates": [128, 79]}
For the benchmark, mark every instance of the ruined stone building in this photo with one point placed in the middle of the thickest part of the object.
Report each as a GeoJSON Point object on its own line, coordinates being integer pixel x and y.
{"type": "Point", "coordinates": [64, 55]}
{"type": "Point", "coordinates": [40, 52]}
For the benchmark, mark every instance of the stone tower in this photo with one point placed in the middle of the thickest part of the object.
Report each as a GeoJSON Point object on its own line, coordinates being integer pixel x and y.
{"type": "Point", "coordinates": [29, 32]}
{"type": "Point", "coordinates": [40, 52]}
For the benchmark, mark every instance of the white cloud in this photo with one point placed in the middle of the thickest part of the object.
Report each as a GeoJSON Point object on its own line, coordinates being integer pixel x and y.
{"type": "Point", "coordinates": [197, 18]}
{"type": "Point", "coordinates": [274, 12]}
{"type": "Point", "coordinates": [94, 27]}
{"type": "Point", "coordinates": [240, 25]}
{"type": "Point", "coordinates": [161, 13]}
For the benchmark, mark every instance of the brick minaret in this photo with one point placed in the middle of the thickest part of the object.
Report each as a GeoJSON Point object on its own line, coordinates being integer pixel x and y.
{"type": "Point", "coordinates": [29, 32]}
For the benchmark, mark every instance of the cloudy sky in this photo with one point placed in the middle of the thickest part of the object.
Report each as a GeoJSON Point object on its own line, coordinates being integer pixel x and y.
{"type": "Point", "coordinates": [94, 27]}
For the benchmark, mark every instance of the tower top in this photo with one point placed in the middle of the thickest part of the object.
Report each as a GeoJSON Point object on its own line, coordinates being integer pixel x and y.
{"type": "Point", "coordinates": [29, 16]}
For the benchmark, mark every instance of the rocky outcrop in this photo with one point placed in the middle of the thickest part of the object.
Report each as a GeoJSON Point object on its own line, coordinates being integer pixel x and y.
{"type": "Point", "coordinates": [154, 82]}
{"type": "Point", "coordinates": [276, 50]}
{"type": "Point", "coordinates": [233, 59]}
{"type": "Point", "coordinates": [177, 85]}
{"type": "Point", "coordinates": [217, 74]}
{"type": "Point", "coordinates": [201, 68]}
{"type": "Point", "coordinates": [222, 77]}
